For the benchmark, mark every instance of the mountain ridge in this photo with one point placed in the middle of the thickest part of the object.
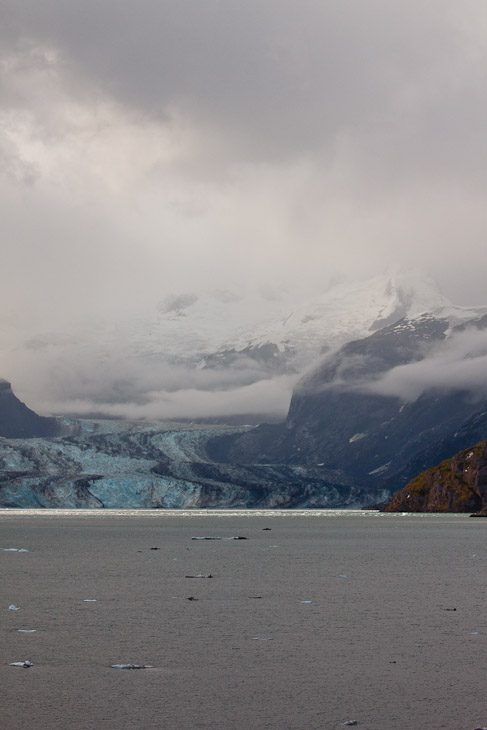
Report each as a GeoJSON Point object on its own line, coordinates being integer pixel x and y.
{"type": "Point", "coordinates": [349, 414]}
{"type": "Point", "coordinates": [19, 421]}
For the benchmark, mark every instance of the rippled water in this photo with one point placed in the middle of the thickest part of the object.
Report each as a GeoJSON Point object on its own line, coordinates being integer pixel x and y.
{"type": "Point", "coordinates": [334, 615]}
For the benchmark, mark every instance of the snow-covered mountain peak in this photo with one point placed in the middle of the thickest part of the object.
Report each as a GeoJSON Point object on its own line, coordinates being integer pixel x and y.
{"type": "Point", "coordinates": [348, 310]}
{"type": "Point", "coordinates": [416, 290]}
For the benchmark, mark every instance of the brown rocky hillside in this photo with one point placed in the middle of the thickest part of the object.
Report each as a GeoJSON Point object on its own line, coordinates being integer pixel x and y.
{"type": "Point", "coordinates": [458, 484]}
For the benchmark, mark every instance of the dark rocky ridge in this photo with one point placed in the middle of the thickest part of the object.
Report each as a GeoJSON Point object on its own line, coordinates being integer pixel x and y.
{"type": "Point", "coordinates": [18, 421]}
{"type": "Point", "coordinates": [368, 439]}
{"type": "Point", "coordinates": [458, 484]}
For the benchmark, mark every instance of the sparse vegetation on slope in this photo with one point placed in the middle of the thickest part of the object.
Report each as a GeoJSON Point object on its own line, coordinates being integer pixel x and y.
{"type": "Point", "coordinates": [458, 484]}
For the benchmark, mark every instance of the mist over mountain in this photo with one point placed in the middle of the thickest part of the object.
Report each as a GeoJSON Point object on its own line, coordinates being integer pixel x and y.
{"type": "Point", "coordinates": [205, 354]}
{"type": "Point", "coordinates": [181, 185]}
{"type": "Point", "coordinates": [382, 408]}
{"type": "Point", "coordinates": [368, 418]}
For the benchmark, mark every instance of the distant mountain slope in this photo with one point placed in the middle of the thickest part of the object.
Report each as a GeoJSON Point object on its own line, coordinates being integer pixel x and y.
{"type": "Point", "coordinates": [381, 409]}
{"type": "Point", "coordinates": [458, 484]}
{"type": "Point", "coordinates": [18, 421]}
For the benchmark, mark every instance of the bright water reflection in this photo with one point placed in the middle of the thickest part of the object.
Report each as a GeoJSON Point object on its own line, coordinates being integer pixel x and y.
{"type": "Point", "coordinates": [6, 513]}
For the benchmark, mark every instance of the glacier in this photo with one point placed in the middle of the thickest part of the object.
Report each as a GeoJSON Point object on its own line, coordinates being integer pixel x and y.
{"type": "Point", "coordinates": [132, 465]}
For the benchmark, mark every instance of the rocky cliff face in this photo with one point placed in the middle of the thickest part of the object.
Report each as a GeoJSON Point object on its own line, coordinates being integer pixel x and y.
{"type": "Point", "coordinates": [458, 484]}
{"type": "Point", "coordinates": [18, 421]}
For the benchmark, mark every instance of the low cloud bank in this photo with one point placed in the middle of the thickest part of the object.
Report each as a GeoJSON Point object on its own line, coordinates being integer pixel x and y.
{"type": "Point", "coordinates": [265, 396]}
{"type": "Point", "coordinates": [460, 363]}
{"type": "Point", "coordinates": [81, 380]}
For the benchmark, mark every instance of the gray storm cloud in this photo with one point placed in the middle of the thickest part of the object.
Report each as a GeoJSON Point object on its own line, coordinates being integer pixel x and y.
{"type": "Point", "coordinates": [240, 135]}
{"type": "Point", "coordinates": [152, 148]}
{"type": "Point", "coordinates": [458, 364]}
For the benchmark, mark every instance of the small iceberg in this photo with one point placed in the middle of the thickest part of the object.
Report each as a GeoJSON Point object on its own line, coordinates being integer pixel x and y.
{"type": "Point", "coordinates": [26, 631]}
{"type": "Point", "coordinates": [12, 607]}
{"type": "Point", "coordinates": [25, 664]}
{"type": "Point", "coordinates": [236, 537]}
{"type": "Point", "coordinates": [14, 550]}
{"type": "Point", "coordinates": [132, 666]}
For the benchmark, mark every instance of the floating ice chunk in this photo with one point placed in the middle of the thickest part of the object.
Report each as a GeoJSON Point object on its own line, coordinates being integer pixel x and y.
{"type": "Point", "coordinates": [200, 575]}
{"type": "Point", "coordinates": [343, 576]}
{"type": "Point", "coordinates": [14, 550]}
{"type": "Point", "coordinates": [261, 638]}
{"type": "Point", "coordinates": [132, 666]}
{"type": "Point", "coordinates": [25, 664]}
{"type": "Point", "coordinates": [26, 631]}
{"type": "Point", "coordinates": [356, 437]}
{"type": "Point", "coordinates": [381, 469]}
{"type": "Point", "coordinates": [474, 633]}
{"type": "Point", "coordinates": [236, 537]}
{"type": "Point", "coordinates": [351, 723]}
{"type": "Point", "coordinates": [306, 601]}
{"type": "Point", "coordinates": [12, 607]}
{"type": "Point", "coordinates": [89, 600]}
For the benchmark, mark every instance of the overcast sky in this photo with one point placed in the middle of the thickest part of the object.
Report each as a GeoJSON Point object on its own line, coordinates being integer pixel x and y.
{"type": "Point", "coordinates": [152, 147]}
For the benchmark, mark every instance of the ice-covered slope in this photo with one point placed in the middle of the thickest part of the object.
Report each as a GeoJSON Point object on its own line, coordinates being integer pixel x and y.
{"type": "Point", "coordinates": [130, 465]}
{"type": "Point", "coordinates": [197, 328]}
